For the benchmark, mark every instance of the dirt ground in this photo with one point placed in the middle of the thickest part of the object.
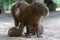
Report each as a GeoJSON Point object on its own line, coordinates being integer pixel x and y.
{"type": "Point", "coordinates": [51, 26]}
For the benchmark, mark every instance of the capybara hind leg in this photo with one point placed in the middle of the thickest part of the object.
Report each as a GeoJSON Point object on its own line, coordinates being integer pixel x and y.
{"type": "Point", "coordinates": [27, 33]}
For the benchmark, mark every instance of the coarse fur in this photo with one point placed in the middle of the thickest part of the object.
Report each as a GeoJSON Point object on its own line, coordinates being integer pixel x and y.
{"type": "Point", "coordinates": [14, 32]}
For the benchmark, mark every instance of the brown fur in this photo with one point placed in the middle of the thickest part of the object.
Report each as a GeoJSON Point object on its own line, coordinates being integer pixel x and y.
{"type": "Point", "coordinates": [19, 5]}
{"type": "Point", "coordinates": [14, 32]}
{"type": "Point", "coordinates": [29, 17]}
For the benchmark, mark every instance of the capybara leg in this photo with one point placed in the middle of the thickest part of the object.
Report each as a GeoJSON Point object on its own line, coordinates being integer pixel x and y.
{"type": "Point", "coordinates": [27, 34]}
{"type": "Point", "coordinates": [39, 31]}
{"type": "Point", "coordinates": [21, 27]}
{"type": "Point", "coordinates": [16, 22]}
{"type": "Point", "coordinates": [31, 30]}
{"type": "Point", "coordinates": [36, 30]}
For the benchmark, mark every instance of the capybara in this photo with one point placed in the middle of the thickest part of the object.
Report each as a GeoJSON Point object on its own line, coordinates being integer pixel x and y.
{"type": "Point", "coordinates": [29, 16]}
{"type": "Point", "coordinates": [14, 32]}
{"type": "Point", "coordinates": [34, 13]}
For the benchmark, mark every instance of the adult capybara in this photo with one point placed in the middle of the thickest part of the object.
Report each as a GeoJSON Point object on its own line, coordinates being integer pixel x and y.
{"type": "Point", "coordinates": [29, 16]}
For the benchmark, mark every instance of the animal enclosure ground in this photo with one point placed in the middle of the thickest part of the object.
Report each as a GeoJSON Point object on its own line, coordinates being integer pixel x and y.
{"type": "Point", "coordinates": [51, 26]}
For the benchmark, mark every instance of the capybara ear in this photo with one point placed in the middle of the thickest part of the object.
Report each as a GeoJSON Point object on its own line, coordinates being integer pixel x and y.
{"type": "Point", "coordinates": [40, 29]}
{"type": "Point", "coordinates": [14, 32]}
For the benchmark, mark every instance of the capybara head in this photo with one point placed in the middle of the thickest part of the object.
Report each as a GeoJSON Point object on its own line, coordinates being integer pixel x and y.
{"type": "Point", "coordinates": [39, 9]}
{"type": "Point", "coordinates": [14, 32]}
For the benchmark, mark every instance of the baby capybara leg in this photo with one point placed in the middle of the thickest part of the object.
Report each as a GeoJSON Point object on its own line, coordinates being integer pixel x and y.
{"type": "Point", "coordinates": [15, 32]}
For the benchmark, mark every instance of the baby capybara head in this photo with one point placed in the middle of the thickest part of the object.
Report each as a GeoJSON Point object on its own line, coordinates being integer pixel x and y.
{"type": "Point", "coordinates": [13, 32]}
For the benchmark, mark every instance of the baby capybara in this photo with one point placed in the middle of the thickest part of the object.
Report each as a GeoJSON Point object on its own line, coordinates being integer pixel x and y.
{"type": "Point", "coordinates": [29, 17]}
{"type": "Point", "coordinates": [14, 32]}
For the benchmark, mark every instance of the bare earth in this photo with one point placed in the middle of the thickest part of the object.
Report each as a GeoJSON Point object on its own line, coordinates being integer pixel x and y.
{"type": "Point", "coordinates": [51, 26]}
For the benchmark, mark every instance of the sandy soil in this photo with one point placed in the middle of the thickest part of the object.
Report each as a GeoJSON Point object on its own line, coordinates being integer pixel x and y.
{"type": "Point", "coordinates": [51, 26]}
